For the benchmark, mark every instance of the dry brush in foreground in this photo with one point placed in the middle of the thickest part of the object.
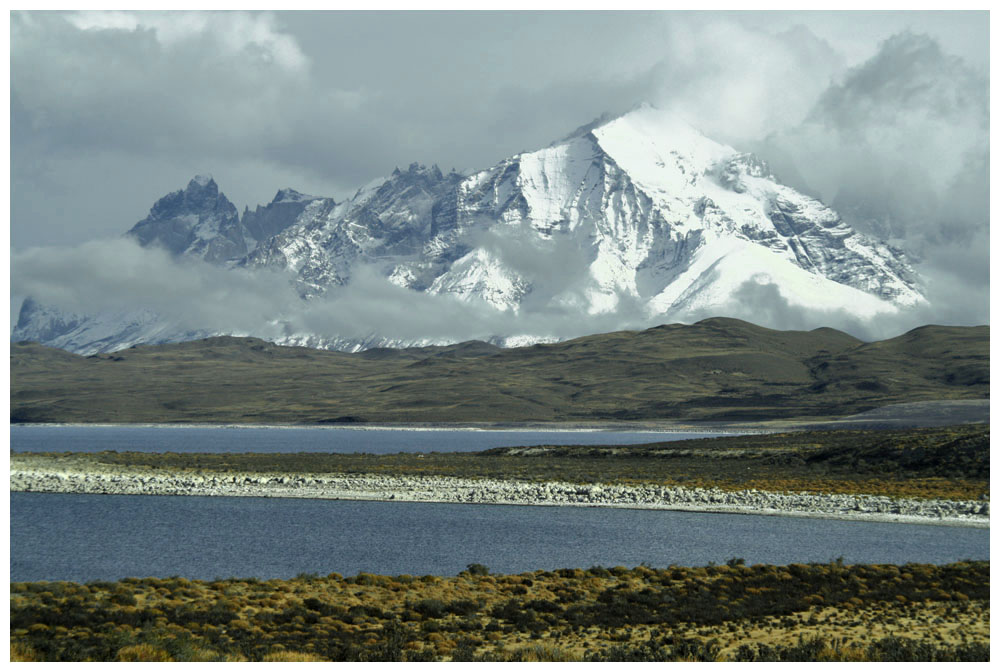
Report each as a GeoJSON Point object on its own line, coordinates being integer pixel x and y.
{"type": "Point", "coordinates": [727, 612]}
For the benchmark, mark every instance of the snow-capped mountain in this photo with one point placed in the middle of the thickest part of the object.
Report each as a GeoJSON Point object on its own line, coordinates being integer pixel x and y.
{"type": "Point", "coordinates": [268, 221]}
{"type": "Point", "coordinates": [641, 210]}
{"type": "Point", "coordinates": [105, 332]}
{"type": "Point", "coordinates": [199, 221]}
{"type": "Point", "coordinates": [388, 224]}
{"type": "Point", "coordinates": [196, 221]}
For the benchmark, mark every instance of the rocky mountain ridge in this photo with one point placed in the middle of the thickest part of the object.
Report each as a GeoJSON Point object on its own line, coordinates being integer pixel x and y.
{"type": "Point", "coordinates": [640, 216]}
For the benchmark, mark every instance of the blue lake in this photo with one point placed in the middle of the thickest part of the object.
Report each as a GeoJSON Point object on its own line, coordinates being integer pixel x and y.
{"type": "Point", "coordinates": [108, 537]}
{"type": "Point", "coordinates": [191, 438]}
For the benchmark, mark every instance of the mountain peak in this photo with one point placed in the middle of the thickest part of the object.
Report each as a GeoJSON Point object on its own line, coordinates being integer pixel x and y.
{"type": "Point", "coordinates": [587, 128]}
{"type": "Point", "coordinates": [637, 212]}
{"type": "Point", "coordinates": [198, 221]}
{"type": "Point", "coordinates": [645, 111]}
{"type": "Point", "coordinates": [656, 122]}
{"type": "Point", "coordinates": [289, 195]}
{"type": "Point", "coordinates": [202, 181]}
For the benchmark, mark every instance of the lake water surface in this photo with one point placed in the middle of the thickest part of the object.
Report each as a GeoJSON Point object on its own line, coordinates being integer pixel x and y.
{"type": "Point", "coordinates": [108, 537]}
{"type": "Point", "coordinates": [208, 439]}
{"type": "Point", "coordinates": [88, 537]}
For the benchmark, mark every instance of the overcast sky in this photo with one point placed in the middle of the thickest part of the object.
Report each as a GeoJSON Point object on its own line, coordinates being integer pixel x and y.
{"type": "Point", "coordinates": [110, 111]}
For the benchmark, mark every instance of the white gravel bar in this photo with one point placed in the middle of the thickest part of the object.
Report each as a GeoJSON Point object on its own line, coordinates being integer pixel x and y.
{"type": "Point", "coordinates": [34, 474]}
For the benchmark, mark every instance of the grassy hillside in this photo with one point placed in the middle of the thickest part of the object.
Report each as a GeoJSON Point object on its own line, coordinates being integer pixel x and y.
{"type": "Point", "coordinates": [717, 369]}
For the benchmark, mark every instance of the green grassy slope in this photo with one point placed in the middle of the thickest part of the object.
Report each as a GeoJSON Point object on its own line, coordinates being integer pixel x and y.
{"type": "Point", "coordinates": [717, 369]}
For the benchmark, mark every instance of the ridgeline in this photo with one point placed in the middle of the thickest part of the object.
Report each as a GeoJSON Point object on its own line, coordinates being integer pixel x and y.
{"type": "Point", "coordinates": [718, 370]}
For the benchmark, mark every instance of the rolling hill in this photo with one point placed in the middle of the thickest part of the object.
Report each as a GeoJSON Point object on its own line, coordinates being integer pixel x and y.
{"type": "Point", "coordinates": [719, 369]}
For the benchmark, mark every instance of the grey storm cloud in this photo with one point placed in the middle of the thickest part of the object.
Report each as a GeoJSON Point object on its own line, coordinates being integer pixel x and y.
{"type": "Point", "coordinates": [909, 114]}
{"type": "Point", "coordinates": [153, 98]}
{"type": "Point", "coordinates": [900, 147]}
{"type": "Point", "coordinates": [738, 84]}
{"type": "Point", "coordinates": [111, 110]}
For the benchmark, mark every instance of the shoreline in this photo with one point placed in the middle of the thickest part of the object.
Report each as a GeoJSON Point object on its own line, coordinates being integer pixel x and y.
{"type": "Point", "coordinates": [649, 426]}
{"type": "Point", "coordinates": [554, 427]}
{"type": "Point", "coordinates": [33, 475]}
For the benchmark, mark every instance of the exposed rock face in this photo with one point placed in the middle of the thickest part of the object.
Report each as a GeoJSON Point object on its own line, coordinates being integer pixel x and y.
{"type": "Point", "coordinates": [389, 225]}
{"type": "Point", "coordinates": [197, 221]}
{"type": "Point", "coordinates": [31, 474]}
{"type": "Point", "coordinates": [282, 212]}
{"type": "Point", "coordinates": [87, 334]}
{"type": "Point", "coordinates": [640, 216]}
{"type": "Point", "coordinates": [39, 324]}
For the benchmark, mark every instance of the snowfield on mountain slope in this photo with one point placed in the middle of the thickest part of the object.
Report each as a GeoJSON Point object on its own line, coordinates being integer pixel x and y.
{"type": "Point", "coordinates": [660, 152]}
{"type": "Point", "coordinates": [679, 169]}
{"type": "Point", "coordinates": [640, 216]}
{"type": "Point", "coordinates": [718, 271]}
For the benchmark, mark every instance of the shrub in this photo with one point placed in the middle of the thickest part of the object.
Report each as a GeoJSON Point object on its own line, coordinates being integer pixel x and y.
{"type": "Point", "coordinates": [431, 608]}
{"type": "Point", "coordinates": [324, 608]}
{"type": "Point", "coordinates": [463, 607]}
{"type": "Point", "coordinates": [143, 653]}
{"type": "Point", "coordinates": [537, 653]}
{"type": "Point", "coordinates": [544, 606]}
{"type": "Point", "coordinates": [308, 577]}
{"type": "Point", "coordinates": [390, 646]}
{"type": "Point", "coordinates": [123, 598]}
{"type": "Point", "coordinates": [22, 653]}
{"type": "Point", "coordinates": [465, 652]}
{"type": "Point", "coordinates": [570, 573]}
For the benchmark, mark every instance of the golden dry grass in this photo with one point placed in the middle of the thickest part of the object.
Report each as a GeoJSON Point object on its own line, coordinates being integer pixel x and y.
{"type": "Point", "coordinates": [567, 615]}
{"type": "Point", "coordinates": [143, 653]}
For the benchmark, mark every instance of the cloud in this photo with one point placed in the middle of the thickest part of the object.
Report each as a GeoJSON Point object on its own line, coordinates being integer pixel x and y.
{"type": "Point", "coordinates": [117, 275]}
{"type": "Point", "coordinates": [107, 276]}
{"type": "Point", "coordinates": [339, 101]}
{"type": "Point", "coordinates": [111, 110]}
{"type": "Point", "coordinates": [154, 83]}
{"type": "Point", "coordinates": [555, 267]}
{"type": "Point", "coordinates": [238, 34]}
{"type": "Point", "coordinates": [899, 130]}
{"type": "Point", "coordinates": [232, 87]}
{"type": "Point", "coordinates": [900, 148]}
{"type": "Point", "coordinates": [739, 83]}
{"type": "Point", "coordinates": [764, 305]}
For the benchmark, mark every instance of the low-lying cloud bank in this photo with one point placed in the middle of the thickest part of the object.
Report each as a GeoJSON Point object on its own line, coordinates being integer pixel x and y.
{"type": "Point", "coordinates": [117, 275]}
